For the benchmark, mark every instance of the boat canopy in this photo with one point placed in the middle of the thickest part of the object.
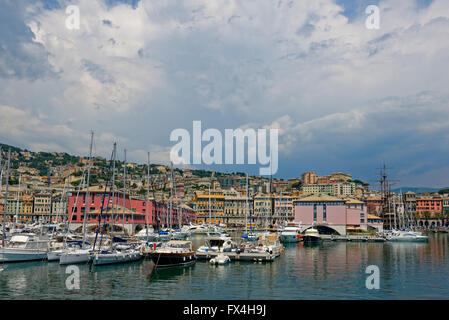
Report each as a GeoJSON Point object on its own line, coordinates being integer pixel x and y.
{"type": "Point", "coordinates": [21, 239]}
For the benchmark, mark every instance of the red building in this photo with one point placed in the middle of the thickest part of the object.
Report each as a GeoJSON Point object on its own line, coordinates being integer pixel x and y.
{"type": "Point", "coordinates": [136, 211]}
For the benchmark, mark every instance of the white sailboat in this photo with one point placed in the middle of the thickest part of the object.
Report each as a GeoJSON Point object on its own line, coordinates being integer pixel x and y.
{"type": "Point", "coordinates": [24, 247]}
{"type": "Point", "coordinates": [398, 235]}
{"type": "Point", "coordinates": [115, 254]}
{"type": "Point", "coordinates": [82, 255]}
{"type": "Point", "coordinates": [251, 236]}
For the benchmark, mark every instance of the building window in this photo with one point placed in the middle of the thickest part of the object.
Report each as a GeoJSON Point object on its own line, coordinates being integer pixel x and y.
{"type": "Point", "coordinates": [314, 212]}
{"type": "Point", "coordinates": [324, 212]}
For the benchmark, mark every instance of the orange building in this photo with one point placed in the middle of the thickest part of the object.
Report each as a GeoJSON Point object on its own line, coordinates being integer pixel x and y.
{"type": "Point", "coordinates": [429, 204]}
{"type": "Point", "coordinates": [323, 180]}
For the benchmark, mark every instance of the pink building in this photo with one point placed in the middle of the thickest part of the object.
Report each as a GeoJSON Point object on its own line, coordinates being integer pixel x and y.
{"type": "Point", "coordinates": [332, 215]}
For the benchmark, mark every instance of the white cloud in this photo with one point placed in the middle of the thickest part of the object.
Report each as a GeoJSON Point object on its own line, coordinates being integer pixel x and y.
{"type": "Point", "coordinates": [140, 72]}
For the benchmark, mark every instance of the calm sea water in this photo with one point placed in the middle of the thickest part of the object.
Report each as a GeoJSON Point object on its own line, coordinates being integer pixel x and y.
{"type": "Point", "coordinates": [333, 270]}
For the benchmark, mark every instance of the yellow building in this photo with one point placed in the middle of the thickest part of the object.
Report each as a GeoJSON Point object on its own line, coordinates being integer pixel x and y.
{"type": "Point", "coordinates": [263, 210]}
{"type": "Point", "coordinates": [236, 211]}
{"type": "Point", "coordinates": [28, 201]}
{"type": "Point", "coordinates": [215, 214]}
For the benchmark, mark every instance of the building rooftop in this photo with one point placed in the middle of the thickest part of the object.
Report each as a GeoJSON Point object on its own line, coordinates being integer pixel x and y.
{"type": "Point", "coordinates": [320, 197]}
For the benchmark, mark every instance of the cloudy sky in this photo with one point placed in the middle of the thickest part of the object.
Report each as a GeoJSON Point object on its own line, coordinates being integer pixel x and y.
{"type": "Point", "coordinates": [345, 98]}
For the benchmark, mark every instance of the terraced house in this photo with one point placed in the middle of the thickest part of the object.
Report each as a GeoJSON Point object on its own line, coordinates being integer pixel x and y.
{"type": "Point", "coordinates": [42, 206]}
{"type": "Point", "coordinates": [215, 214]}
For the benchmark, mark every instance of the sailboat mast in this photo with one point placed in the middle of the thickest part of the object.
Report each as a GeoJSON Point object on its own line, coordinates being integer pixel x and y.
{"type": "Point", "coordinates": [5, 207]}
{"type": "Point", "coordinates": [17, 203]}
{"type": "Point", "coordinates": [113, 193]}
{"type": "Point", "coordinates": [69, 221]}
{"type": "Point", "coordinates": [87, 204]}
{"type": "Point", "coordinates": [394, 211]}
{"type": "Point", "coordinates": [210, 212]}
{"type": "Point", "coordinates": [124, 192]}
{"type": "Point", "coordinates": [171, 194]}
{"type": "Point", "coordinates": [147, 216]}
{"type": "Point", "coordinates": [246, 208]}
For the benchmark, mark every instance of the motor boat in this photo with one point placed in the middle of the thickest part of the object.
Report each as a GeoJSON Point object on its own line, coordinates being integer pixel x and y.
{"type": "Point", "coordinates": [407, 236]}
{"type": "Point", "coordinates": [173, 253]}
{"type": "Point", "coordinates": [218, 244]}
{"type": "Point", "coordinates": [291, 234]}
{"type": "Point", "coordinates": [24, 247]}
{"type": "Point", "coordinates": [312, 236]}
{"type": "Point", "coordinates": [199, 229]}
{"type": "Point", "coordinates": [250, 236]}
{"type": "Point", "coordinates": [220, 259]}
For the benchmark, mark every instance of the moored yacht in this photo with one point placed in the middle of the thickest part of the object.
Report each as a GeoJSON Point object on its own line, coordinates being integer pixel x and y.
{"type": "Point", "coordinates": [120, 254]}
{"type": "Point", "coordinates": [75, 256]}
{"type": "Point", "coordinates": [174, 253]}
{"type": "Point", "coordinates": [218, 244]}
{"type": "Point", "coordinates": [312, 236]}
{"type": "Point", "coordinates": [290, 234]}
{"type": "Point", "coordinates": [407, 236]}
{"type": "Point", "coordinates": [25, 247]}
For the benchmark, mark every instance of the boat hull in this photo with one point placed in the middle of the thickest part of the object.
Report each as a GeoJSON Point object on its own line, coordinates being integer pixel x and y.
{"type": "Point", "coordinates": [115, 258]}
{"type": "Point", "coordinates": [54, 255]}
{"type": "Point", "coordinates": [290, 238]}
{"type": "Point", "coordinates": [21, 255]}
{"type": "Point", "coordinates": [172, 259]}
{"type": "Point", "coordinates": [409, 239]}
{"type": "Point", "coordinates": [75, 257]}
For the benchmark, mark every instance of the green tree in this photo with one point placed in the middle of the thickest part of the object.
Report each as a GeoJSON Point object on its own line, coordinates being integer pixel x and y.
{"type": "Point", "coordinates": [426, 215]}
{"type": "Point", "coordinates": [296, 185]}
{"type": "Point", "coordinates": [75, 183]}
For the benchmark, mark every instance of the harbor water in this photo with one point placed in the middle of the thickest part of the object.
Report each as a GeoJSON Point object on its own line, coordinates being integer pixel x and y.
{"type": "Point", "coordinates": [331, 270]}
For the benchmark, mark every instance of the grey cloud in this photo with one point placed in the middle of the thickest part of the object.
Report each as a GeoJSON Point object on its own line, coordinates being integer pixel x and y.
{"type": "Point", "coordinates": [98, 72]}
{"type": "Point", "coordinates": [20, 57]}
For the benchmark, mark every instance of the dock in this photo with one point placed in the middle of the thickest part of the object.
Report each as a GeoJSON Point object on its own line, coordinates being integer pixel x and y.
{"type": "Point", "coordinates": [242, 256]}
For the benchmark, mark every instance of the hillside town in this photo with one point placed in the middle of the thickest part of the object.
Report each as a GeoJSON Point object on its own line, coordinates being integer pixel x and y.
{"type": "Point", "coordinates": [45, 187]}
